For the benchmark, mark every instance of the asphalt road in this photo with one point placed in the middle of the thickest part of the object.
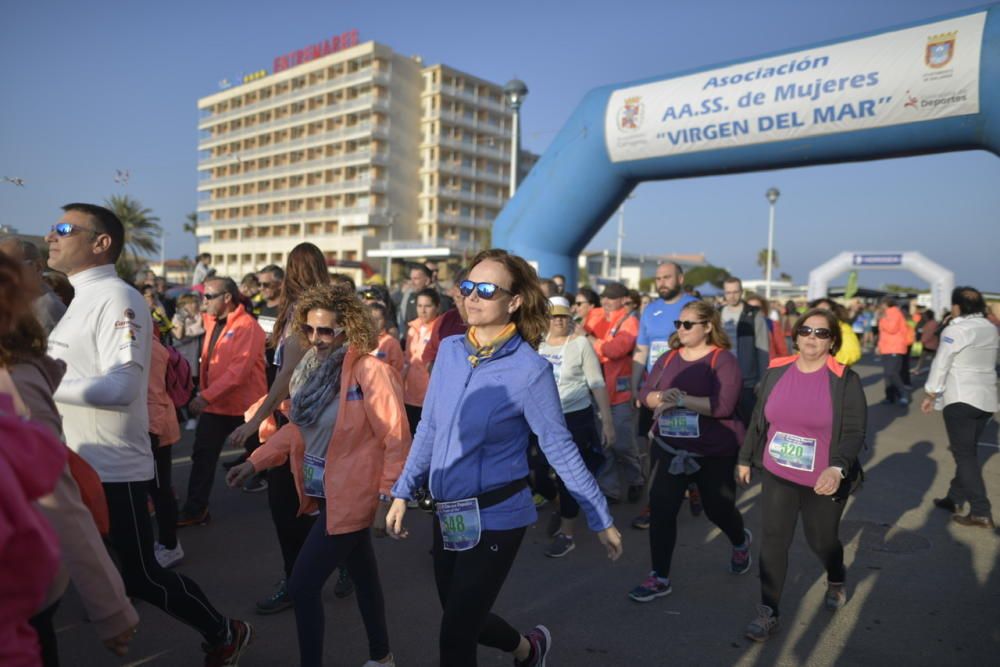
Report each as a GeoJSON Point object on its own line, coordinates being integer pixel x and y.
{"type": "Point", "coordinates": [923, 591]}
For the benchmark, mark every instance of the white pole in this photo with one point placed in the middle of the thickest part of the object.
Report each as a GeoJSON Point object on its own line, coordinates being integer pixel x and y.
{"type": "Point", "coordinates": [621, 235]}
{"type": "Point", "coordinates": [770, 252]}
{"type": "Point", "coordinates": [388, 257]}
{"type": "Point", "coordinates": [515, 144]}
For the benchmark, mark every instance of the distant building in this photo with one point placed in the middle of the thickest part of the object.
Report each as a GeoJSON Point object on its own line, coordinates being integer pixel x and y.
{"type": "Point", "coordinates": [349, 146]}
{"type": "Point", "coordinates": [600, 265]}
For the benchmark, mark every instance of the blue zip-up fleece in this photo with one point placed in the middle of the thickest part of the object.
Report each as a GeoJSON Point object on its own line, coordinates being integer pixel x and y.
{"type": "Point", "coordinates": [473, 434]}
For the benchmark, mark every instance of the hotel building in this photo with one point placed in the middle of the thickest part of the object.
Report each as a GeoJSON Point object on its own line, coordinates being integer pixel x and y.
{"type": "Point", "coordinates": [349, 150]}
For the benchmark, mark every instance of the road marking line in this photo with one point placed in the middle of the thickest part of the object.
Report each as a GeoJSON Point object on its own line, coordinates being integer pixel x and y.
{"type": "Point", "coordinates": [146, 660]}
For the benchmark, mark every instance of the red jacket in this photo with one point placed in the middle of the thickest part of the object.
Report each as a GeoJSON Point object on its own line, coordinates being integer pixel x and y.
{"type": "Point", "coordinates": [367, 450]}
{"type": "Point", "coordinates": [893, 332]}
{"type": "Point", "coordinates": [233, 378]}
{"type": "Point", "coordinates": [614, 345]}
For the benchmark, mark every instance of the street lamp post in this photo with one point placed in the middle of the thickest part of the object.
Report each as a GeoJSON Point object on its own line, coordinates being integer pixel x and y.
{"type": "Point", "coordinates": [515, 91]}
{"type": "Point", "coordinates": [388, 257]}
{"type": "Point", "coordinates": [621, 237]}
{"type": "Point", "coordinates": [772, 197]}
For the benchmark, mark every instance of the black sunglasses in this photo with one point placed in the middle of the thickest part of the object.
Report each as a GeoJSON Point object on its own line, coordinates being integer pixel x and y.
{"type": "Point", "coordinates": [485, 291]}
{"type": "Point", "coordinates": [213, 296]}
{"type": "Point", "coordinates": [688, 324]}
{"type": "Point", "coordinates": [821, 333]}
{"type": "Point", "coordinates": [67, 228]}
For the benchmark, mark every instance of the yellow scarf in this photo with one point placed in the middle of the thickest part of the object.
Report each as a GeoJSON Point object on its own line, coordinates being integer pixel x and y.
{"type": "Point", "coordinates": [479, 351]}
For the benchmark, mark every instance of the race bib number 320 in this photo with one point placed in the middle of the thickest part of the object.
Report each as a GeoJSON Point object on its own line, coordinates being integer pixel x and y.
{"type": "Point", "coordinates": [792, 451]}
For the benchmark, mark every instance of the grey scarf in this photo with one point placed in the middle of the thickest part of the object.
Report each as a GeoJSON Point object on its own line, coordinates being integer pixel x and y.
{"type": "Point", "coordinates": [315, 383]}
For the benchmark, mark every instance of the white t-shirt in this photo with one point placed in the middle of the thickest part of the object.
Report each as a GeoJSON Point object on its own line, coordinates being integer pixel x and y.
{"type": "Point", "coordinates": [577, 370]}
{"type": "Point", "coordinates": [106, 328]}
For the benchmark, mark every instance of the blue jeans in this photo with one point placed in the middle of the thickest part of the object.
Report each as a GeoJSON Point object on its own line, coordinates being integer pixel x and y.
{"type": "Point", "coordinates": [622, 460]}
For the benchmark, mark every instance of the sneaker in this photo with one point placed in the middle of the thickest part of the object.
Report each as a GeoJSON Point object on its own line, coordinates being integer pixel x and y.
{"type": "Point", "coordinates": [766, 624]}
{"type": "Point", "coordinates": [541, 643]}
{"type": "Point", "coordinates": [904, 401]}
{"type": "Point", "coordinates": [255, 484]}
{"type": "Point", "coordinates": [946, 503]}
{"type": "Point", "coordinates": [389, 662]}
{"type": "Point", "coordinates": [641, 522]}
{"type": "Point", "coordinates": [191, 425]}
{"type": "Point", "coordinates": [345, 585]}
{"type": "Point", "coordinates": [229, 652]}
{"type": "Point", "coordinates": [740, 561]}
{"type": "Point", "coordinates": [561, 545]}
{"type": "Point", "coordinates": [694, 498]}
{"type": "Point", "coordinates": [278, 601]}
{"type": "Point", "coordinates": [185, 518]}
{"type": "Point", "coordinates": [653, 587]}
{"type": "Point", "coordinates": [974, 521]}
{"type": "Point", "coordinates": [167, 558]}
{"type": "Point", "coordinates": [539, 500]}
{"type": "Point", "coordinates": [554, 524]}
{"type": "Point", "coordinates": [836, 596]}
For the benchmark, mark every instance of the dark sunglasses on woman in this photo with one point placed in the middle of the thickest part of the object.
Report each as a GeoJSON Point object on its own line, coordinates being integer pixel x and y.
{"type": "Point", "coordinates": [820, 332]}
{"type": "Point", "coordinates": [485, 291]}
{"type": "Point", "coordinates": [688, 324]}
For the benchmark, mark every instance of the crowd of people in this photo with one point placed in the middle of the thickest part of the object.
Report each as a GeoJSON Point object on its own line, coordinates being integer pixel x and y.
{"type": "Point", "coordinates": [480, 402]}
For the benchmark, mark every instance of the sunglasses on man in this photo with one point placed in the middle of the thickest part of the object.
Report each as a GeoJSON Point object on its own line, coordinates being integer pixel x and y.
{"type": "Point", "coordinates": [487, 291]}
{"type": "Point", "coordinates": [65, 229]}
{"type": "Point", "coordinates": [324, 332]}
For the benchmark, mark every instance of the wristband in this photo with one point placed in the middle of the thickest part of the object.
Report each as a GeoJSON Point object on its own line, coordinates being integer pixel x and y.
{"type": "Point", "coordinates": [680, 400]}
{"type": "Point", "coordinates": [384, 498]}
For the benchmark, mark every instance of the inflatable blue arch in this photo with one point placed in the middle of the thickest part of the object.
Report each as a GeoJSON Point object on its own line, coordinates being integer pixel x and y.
{"type": "Point", "coordinates": [926, 87]}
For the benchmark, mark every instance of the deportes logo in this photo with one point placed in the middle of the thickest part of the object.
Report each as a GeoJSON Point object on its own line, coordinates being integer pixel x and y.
{"type": "Point", "coordinates": [630, 116]}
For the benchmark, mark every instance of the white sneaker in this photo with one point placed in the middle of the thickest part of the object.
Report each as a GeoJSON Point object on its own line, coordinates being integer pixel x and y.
{"type": "Point", "coordinates": [372, 663]}
{"type": "Point", "coordinates": [191, 425]}
{"type": "Point", "coordinates": [167, 558]}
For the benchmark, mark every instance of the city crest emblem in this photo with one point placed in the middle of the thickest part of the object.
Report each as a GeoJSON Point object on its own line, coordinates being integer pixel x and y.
{"type": "Point", "coordinates": [630, 116]}
{"type": "Point", "coordinates": [940, 49]}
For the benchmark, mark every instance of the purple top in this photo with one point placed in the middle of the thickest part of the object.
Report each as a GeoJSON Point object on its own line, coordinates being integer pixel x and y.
{"type": "Point", "coordinates": [799, 412]}
{"type": "Point", "coordinates": [718, 435]}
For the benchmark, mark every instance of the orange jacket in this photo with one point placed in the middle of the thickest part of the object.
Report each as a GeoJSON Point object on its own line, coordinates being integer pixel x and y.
{"type": "Point", "coordinates": [417, 374]}
{"type": "Point", "coordinates": [893, 332]}
{"type": "Point", "coordinates": [389, 351]}
{"type": "Point", "coordinates": [367, 450]}
{"type": "Point", "coordinates": [233, 378]}
{"type": "Point", "coordinates": [162, 415]}
{"type": "Point", "coordinates": [614, 345]}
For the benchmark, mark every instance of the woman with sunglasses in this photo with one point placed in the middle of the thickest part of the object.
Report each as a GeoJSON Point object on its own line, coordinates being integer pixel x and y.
{"type": "Point", "coordinates": [346, 443]}
{"type": "Point", "coordinates": [488, 391]}
{"type": "Point", "coordinates": [693, 391]}
{"type": "Point", "coordinates": [805, 435]}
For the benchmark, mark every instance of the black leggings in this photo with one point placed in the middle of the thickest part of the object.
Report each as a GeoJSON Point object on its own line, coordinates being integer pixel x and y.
{"type": "Point", "coordinates": [292, 529]}
{"type": "Point", "coordinates": [131, 537]}
{"type": "Point", "coordinates": [42, 623]}
{"type": "Point", "coordinates": [320, 556]}
{"type": "Point", "coordinates": [162, 491]}
{"type": "Point", "coordinates": [468, 583]}
{"type": "Point", "coordinates": [583, 429]}
{"type": "Point", "coordinates": [965, 425]}
{"type": "Point", "coordinates": [781, 503]}
{"type": "Point", "coordinates": [718, 495]}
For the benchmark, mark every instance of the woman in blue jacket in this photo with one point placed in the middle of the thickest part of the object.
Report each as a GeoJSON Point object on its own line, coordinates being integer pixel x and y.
{"type": "Point", "coordinates": [488, 391]}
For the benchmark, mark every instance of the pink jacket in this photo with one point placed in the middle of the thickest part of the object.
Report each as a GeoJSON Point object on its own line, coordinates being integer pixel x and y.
{"type": "Point", "coordinates": [367, 450]}
{"type": "Point", "coordinates": [162, 414]}
{"type": "Point", "coordinates": [893, 332]}
{"type": "Point", "coordinates": [233, 377]}
{"type": "Point", "coordinates": [31, 460]}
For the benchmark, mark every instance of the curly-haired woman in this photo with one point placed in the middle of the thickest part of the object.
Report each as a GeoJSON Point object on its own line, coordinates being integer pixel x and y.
{"type": "Point", "coordinates": [347, 442]}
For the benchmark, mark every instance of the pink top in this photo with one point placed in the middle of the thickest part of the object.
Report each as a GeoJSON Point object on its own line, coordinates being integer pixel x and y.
{"type": "Point", "coordinates": [799, 413]}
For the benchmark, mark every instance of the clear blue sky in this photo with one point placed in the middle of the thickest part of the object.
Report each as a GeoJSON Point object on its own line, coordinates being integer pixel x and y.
{"type": "Point", "coordinates": [91, 87]}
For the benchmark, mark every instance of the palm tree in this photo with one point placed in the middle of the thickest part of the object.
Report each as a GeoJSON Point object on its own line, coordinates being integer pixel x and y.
{"type": "Point", "coordinates": [192, 224]}
{"type": "Point", "coordinates": [142, 232]}
{"type": "Point", "coordinates": [762, 259]}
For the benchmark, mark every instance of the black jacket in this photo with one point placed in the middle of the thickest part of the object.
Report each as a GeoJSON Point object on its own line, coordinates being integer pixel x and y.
{"type": "Point", "coordinates": [850, 418]}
